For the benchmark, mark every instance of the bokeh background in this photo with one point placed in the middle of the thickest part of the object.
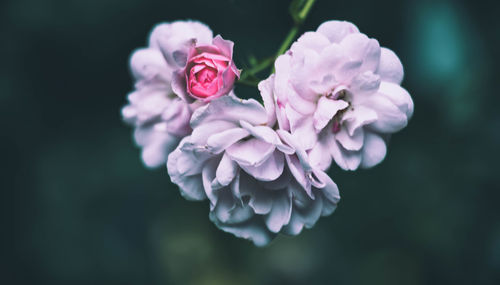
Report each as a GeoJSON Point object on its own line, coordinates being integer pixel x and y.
{"type": "Point", "coordinates": [79, 207]}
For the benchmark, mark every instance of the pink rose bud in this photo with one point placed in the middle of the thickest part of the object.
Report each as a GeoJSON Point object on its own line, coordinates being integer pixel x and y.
{"type": "Point", "coordinates": [209, 72]}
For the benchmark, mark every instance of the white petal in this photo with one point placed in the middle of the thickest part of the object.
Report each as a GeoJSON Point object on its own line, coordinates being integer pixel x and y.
{"type": "Point", "coordinates": [191, 186]}
{"type": "Point", "coordinates": [263, 133]}
{"type": "Point", "coordinates": [260, 199]}
{"type": "Point", "coordinates": [280, 212]}
{"type": "Point", "coordinates": [299, 174]}
{"type": "Point", "coordinates": [232, 109]}
{"type": "Point", "coordinates": [252, 152]}
{"type": "Point", "coordinates": [319, 156]}
{"type": "Point", "coordinates": [347, 160]}
{"type": "Point", "coordinates": [156, 145]}
{"type": "Point", "coordinates": [302, 128]}
{"type": "Point", "coordinates": [390, 67]}
{"type": "Point", "coordinates": [283, 90]}
{"type": "Point", "coordinates": [354, 142]}
{"type": "Point", "coordinates": [335, 31]}
{"type": "Point", "coordinates": [150, 65]}
{"type": "Point", "coordinates": [251, 230]}
{"type": "Point", "coordinates": [300, 152]}
{"type": "Point", "coordinates": [269, 170]}
{"type": "Point", "coordinates": [226, 170]}
{"type": "Point", "coordinates": [327, 108]}
{"type": "Point", "coordinates": [295, 225]}
{"type": "Point", "coordinates": [175, 38]}
{"type": "Point", "coordinates": [390, 118]}
{"type": "Point", "coordinates": [261, 202]}
{"type": "Point", "coordinates": [360, 48]}
{"type": "Point", "coordinates": [225, 203]}
{"type": "Point", "coordinates": [399, 96]}
{"type": "Point", "coordinates": [281, 182]}
{"type": "Point", "coordinates": [207, 175]}
{"type": "Point", "coordinates": [201, 133]}
{"type": "Point", "coordinates": [146, 104]}
{"type": "Point", "coordinates": [178, 85]}
{"type": "Point", "coordinates": [374, 150]}
{"type": "Point", "coordinates": [330, 190]}
{"type": "Point", "coordinates": [364, 84]}
{"type": "Point", "coordinates": [311, 214]}
{"type": "Point", "coordinates": [266, 88]}
{"type": "Point", "coordinates": [323, 80]}
{"type": "Point", "coordinates": [358, 117]}
{"type": "Point", "coordinates": [218, 142]}
{"type": "Point", "coordinates": [311, 40]}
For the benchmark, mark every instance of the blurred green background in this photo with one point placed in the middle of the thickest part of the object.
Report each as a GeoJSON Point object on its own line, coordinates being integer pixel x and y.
{"type": "Point", "coordinates": [80, 208]}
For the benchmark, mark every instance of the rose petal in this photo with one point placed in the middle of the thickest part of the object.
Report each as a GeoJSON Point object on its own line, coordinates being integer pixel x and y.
{"type": "Point", "coordinates": [327, 108]}
{"type": "Point", "coordinates": [266, 91]}
{"type": "Point", "coordinates": [335, 31]}
{"type": "Point", "coordinates": [390, 118]}
{"type": "Point", "coordinates": [302, 128]}
{"type": "Point", "coordinates": [311, 40]}
{"type": "Point", "coordinates": [347, 160]}
{"type": "Point", "coordinates": [252, 152]}
{"type": "Point", "coordinates": [149, 64]}
{"type": "Point", "coordinates": [220, 141]}
{"type": "Point", "coordinates": [225, 46]}
{"type": "Point", "coordinates": [177, 37]}
{"type": "Point", "coordinates": [251, 230]}
{"type": "Point", "coordinates": [360, 48]}
{"type": "Point", "coordinates": [226, 170]}
{"type": "Point", "coordinates": [232, 109]}
{"type": "Point", "coordinates": [201, 133]}
{"type": "Point", "coordinates": [390, 68]}
{"type": "Point", "coordinates": [269, 170]}
{"type": "Point", "coordinates": [283, 90]}
{"type": "Point", "coordinates": [364, 84]}
{"type": "Point", "coordinates": [280, 211]}
{"type": "Point", "coordinates": [357, 117]}
{"type": "Point", "coordinates": [374, 150]}
{"type": "Point", "coordinates": [266, 134]}
{"type": "Point", "coordinates": [319, 155]}
{"type": "Point", "coordinates": [191, 186]}
{"type": "Point", "coordinates": [399, 96]}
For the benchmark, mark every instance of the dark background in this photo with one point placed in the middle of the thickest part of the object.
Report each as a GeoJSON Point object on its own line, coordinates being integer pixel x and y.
{"type": "Point", "coordinates": [80, 208]}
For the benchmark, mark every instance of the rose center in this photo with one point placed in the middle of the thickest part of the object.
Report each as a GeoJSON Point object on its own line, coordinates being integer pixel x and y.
{"type": "Point", "coordinates": [206, 75]}
{"type": "Point", "coordinates": [339, 93]}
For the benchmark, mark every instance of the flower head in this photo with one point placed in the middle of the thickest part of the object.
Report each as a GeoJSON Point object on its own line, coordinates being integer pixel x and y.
{"type": "Point", "coordinates": [338, 92]}
{"type": "Point", "coordinates": [209, 71]}
{"type": "Point", "coordinates": [256, 181]}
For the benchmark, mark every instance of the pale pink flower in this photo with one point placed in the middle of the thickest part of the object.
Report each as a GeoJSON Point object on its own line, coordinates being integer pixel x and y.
{"type": "Point", "coordinates": [159, 116]}
{"type": "Point", "coordinates": [338, 92]}
{"type": "Point", "coordinates": [256, 180]}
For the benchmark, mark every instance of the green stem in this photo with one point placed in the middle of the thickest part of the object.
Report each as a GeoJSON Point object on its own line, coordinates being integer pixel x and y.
{"type": "Point", "coordinates": [305, 11]}
{"type": "Point", "coordinates": [258, 68]}
{"type": "Point", "coordinates": [299, 18]}
{"type": "Point", "coordinates": [288, 40]}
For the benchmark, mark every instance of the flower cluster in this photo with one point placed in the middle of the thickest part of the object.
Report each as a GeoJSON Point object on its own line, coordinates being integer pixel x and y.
{"type": "Point", "coordinates": [335, 96]}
